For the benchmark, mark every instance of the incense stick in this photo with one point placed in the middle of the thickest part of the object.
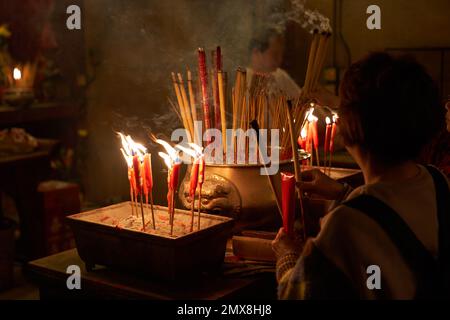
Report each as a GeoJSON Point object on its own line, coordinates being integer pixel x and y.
{"type": "Point", "coordinates": [296, 164]}
{"type": "Point", "coordinates": [222, 111]}
{"type": "Point", "coordinates": [187, 110]}
{"type": "Point", "coordinates": [142, 214]}
{"type": "Point", "coordinates": [192, 213]}
{"type": "Point", "coordinates": [199, 205]}
{"type": "Point", "coordinates": [151, 207]}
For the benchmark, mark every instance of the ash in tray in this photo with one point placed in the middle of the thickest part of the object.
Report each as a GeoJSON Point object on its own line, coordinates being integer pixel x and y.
{"type": "Point", "coordinates": [182, 223]}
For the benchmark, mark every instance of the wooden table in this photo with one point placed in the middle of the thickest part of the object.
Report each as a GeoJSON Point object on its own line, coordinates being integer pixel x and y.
{"type": "Point", "coordinates": [50, 275]}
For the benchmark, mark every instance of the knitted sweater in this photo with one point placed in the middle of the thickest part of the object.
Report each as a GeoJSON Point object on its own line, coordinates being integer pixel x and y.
{"type": "Point", "coordinates": [334, 264]}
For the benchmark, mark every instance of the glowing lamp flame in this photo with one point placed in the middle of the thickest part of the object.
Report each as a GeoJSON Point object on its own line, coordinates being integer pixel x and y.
{"type": "Point", "coordinates": [17, 74]}
{"type": "Point", "coordinates": [327, 120]}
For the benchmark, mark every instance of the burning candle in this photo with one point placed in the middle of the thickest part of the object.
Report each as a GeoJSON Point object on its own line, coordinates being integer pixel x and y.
{"type": "Point", "coordinates": [194, 179]}
{"type": "Point", "coordinates": [175, 175]}
{"type": "Point", "coordinates": [313, 135]}
{"type": "Point", "coordinates": [288, 202]}
{"type": "Point", "coordinates": [332, 135]}
{"type": "Point", "coordinates": [130, 178]}
{"type": "Point", "coordinates": [201, 179]}
{"type": "Point", "coordinates": [302, 138]}
{"type": "Point", "coordinates": [173, 163]}
{"type": "Point", "coordinates": [137, 173]}
{"type": "Point", "coordinates": [196, 154]}
{"type": "Point", "coordinates": [134, 155]}
{"type": "Point", "coordinates": [333, 132]}
{"type": "Point", "coordinates": [326, 145]}
{"type": "Point", "coordinates": [148, 176]}
{"type": "Point", "coordinates": [308, 137]}
{"type": "Point", "coordinates": [148, 183]}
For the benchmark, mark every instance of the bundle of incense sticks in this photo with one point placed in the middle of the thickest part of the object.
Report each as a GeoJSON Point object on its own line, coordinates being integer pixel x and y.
{"type": "Point", "coordinates": [247, 101]}
{"type": "Point", "coordinates": [316, 60]}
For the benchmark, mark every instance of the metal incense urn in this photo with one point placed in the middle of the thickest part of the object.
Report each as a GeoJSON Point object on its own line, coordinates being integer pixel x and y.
{"type": "Point", "coordinates": [240, 192]}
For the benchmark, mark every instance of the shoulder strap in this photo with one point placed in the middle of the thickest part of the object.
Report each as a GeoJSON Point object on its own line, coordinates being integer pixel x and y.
{"type": "Point", "coordinates": [411, 248]}
{"type": "Point", "coordinates": [443, 209]}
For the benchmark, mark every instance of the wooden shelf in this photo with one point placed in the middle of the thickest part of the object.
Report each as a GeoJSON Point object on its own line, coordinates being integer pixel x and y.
{"type": "Point", "coordinates": [40, 112]}
{"type": "Point", "coordinates": [45, 149]}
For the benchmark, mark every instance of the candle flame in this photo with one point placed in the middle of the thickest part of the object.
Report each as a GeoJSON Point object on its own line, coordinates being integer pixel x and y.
{"type": "Point", "coordinates": [312, 118]}
{"type": "Point", "coordinates": [131, 148]}
{"type": "Point", "coordinates": [190, 152]}
{"type": "Point", "coordinates": [173, 154]}
{"type": "Point", "coordinates": [309, 114]}
{"type": "Point", "coordinates": [196, 147]}
{"type": "Point", "coordinates": [335, 117]}
{"type": "Point", "coordinates": [17, 74]}
{"type": "Point", "coordinates": [303, 134]}
{"type": "Point", "coordinates": [128, 158]}
{"type": "Point", "coordinates": [167, 159]}
{"type": "Point", "coordinates": [327, 120]}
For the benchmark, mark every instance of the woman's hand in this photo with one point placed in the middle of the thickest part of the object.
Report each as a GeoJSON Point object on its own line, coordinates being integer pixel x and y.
{"type": "Point", "coordinates": [316, 182]}
{"type": "Point", "coordinates": [284, 244]}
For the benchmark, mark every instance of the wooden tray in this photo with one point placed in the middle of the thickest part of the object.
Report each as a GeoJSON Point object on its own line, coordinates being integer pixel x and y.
{"type": "Point", "coordinates": [159, 255]}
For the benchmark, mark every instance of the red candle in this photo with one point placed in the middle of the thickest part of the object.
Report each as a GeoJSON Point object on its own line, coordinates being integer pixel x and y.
{"type": "Point", "coordinates": [302, 139]}
{"type": "Point", "coordinates": [315, 135]}
{"type": "Point", "coordinates": [194, 178]}
{"type": "Point", "coordinates": [201, 171]}
{"type": "Point", "coordinates": [169, 191]}
{"type": "Point", "coordinates": [147, 174]}
{"type": "Point", "coordinates": [204, 87]}
{"type": "Point", "coordinates": [132, 179]}
{"type": "Point", "coordinates": [309, 137]}
{"type": "Point", "coordinates": [333, 133]}
{"type": "Point", "coordinates": [175, 172]}
{"type": "Point", "coordinates": [326, 145]}
{"type": "Point", "coordinates": [137, 177]}
{"type": "Point", "coordinates": [288, 202]}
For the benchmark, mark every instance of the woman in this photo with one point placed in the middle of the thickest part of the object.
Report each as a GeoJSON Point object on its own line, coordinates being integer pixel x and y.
{"type": "Point", "coordinates": [389, 111]}
{"type": "Point", "coordinates": [438, 151]}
